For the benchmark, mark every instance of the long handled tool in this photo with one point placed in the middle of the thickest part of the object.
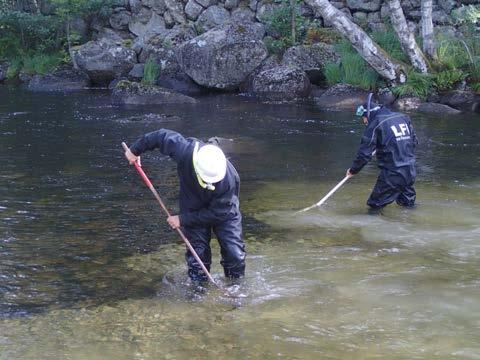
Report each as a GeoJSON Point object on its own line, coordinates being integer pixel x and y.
{"type": "Point", "coordinates": [180, 232]}
{"type": "Point", "coordinates": [325, 198]}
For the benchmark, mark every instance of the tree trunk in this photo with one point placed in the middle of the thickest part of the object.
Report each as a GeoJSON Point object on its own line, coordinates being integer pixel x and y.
{"type": "Point", "coordinates": [427, 29]}
{"type": "Point", "coordinates": [378, 59]}
{"type": "Point", "coordinates": [70, 51]}
{"type": "Point", "coordinates": [406, 37]}
{"type": "Point", "coordinates": [293, 22]}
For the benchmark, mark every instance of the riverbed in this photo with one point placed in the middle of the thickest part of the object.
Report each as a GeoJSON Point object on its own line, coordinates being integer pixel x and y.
{"type": "Point", "coordinates": [90, 270]}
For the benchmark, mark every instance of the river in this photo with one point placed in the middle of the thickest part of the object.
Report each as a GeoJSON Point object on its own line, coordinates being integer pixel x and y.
{"type": "Point", "coordinates": [89, 269]}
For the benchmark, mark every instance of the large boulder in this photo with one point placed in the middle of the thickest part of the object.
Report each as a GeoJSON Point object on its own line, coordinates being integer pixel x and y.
{"type": "Point", "coordinates": [281, 83]}
{"type": "Point", "coordinates": [193, 10]}
{"type": "Point", "coordinates": [341, 97]}
{"type": "Point", "coordinates": [210, 18]}
{"type": "Point", "coordinates": [242, 14]}
{"type": "Point", "coordinates": [61, 80]}
{"type": "Point", "coordinates": [180, 82]}
{"type": "Point", "coordinates": [175, 9]}
{"type": "Point", "coordinates": [311, 59]}
{"type": "Point", "coordinates": [463, 100]}
{"type": "Point", "coordinates": [104, 60]}
{"type": "Point", "coordinates": [223, 57]}
{"type": "Point", "coordinates": [157, 6]}
{"type": "Point", "coordinates": [133, 93]}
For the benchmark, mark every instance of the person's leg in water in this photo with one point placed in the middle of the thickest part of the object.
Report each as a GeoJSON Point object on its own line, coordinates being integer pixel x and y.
{"type": "Point", "coordinates": [232, 248]}
{"type": "Point", "coordinates": [199, 237]}
{"type": "Point", "coordinates": [407, 197]}
{"type": "Point", "coordinates": [383, 193]}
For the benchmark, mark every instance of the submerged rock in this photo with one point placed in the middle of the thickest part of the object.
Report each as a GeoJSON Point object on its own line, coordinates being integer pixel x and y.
{"type": "Point", "coordinates": [223, 57]}
{"type": "Point", "coordinates": [133, 93]}
{"type": "Point", "coordinates": [61, 80]}
{"type": "Point", "coordinates": [281, 83]}
{"type": "Point", "coordinates": [341, 97]}
{"type": "Point", "coordinates": [436, 108]}
{"type": "Point", "coordinates": [462, 100]}
{"type": "Point", "coordinates": [104, 60]}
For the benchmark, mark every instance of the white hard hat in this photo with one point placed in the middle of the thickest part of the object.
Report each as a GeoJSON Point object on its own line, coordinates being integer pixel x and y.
{"type": "Point", "coordinates": [210, 163]}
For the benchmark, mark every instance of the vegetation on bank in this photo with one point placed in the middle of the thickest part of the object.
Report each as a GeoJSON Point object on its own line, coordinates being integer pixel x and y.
{"type": "Point", "coordinates": [35, 39]}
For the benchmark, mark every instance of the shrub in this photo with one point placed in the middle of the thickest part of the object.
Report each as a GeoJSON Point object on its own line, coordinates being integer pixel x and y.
{"type": "Point", "coordinates": [315, 34]}
{"type": "Point", "coordinates": [41, 63]}
{"type": "Point", "coordinates": [276, 46]}
{"type": "Point", "coordinates": [446, 79]}
{"type": "Point", "coordinates": [417, 84]}
{"type": "Point", "coordinates": [151, 72]}
{"type": "Point", "coordinates": [333, 73]}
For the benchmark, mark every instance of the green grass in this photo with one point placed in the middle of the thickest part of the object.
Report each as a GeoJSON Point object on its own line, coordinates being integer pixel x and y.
{"type": "Point", "coordinates": [417, 84]}
{"type": "Point", "coordinates": [151, 72]}
{"type": "Point", "coordinates": [389, 42]}
{"type": "Point", "coordinates": [446, 79]}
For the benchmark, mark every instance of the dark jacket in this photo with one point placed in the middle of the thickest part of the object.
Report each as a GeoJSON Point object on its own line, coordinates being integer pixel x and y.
{"type": "Point", "coordinates": [392, 135]}
{"type": "Point", "coordinates": [198, 206]}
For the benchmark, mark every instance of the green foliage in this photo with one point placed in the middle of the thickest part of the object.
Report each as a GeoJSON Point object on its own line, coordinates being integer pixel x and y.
{"type": "Point", "coordinates": [41, 63]}
{"type": "Point", "coordinates": [278, 23]}
{"type": "Point", "coordinates": [276, 46]}
{"type": "Point", "coordinates": [352, 69]}
{"type": "Point", "coordinates": [316, 33]}
{"type": "Point", "coordinates": [452, 53]}
{"type": "Point", "coordinates": [151, 72]}
{"type": "Point", "coordinates": [68, 9]}
{"type": "Point", "coordinates": [417, 84]}
{"type": "Point", "coordinates": [333, 73]}
{"type": "Point", "coordinates": [389, 42]}
{"type": "Point", "coordinates": [446, 79]}
{"type": "Point", "coordinates": [14, 68]}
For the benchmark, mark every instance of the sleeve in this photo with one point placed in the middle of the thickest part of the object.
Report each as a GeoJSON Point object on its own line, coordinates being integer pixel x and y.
{"type": "Point", "coordinates": [222, 207]}
{"type": "Point", "coordinates": [367, 147]}
{"type": "Point", "coordinates": [168, 142]}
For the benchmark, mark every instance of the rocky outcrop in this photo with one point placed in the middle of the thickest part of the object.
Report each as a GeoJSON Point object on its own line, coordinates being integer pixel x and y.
{"type": "Point", "coordinates": [462, 100]}
{"type": "Point", "coordinates": [311, 59]}
{"type": "Point", "coordinates": [223, 57]}
{"type": "Point", "coordinates": [281, 83]}
{"type": "Point", "coordinates": [61, 80]}
{"type": "Point", "coordinates": [341, 97]}
{"type": "Point", "coordinates": [133, 93]}
{"type": "Point", "coordinates": [210, 18]}
{"type": "Point", "coordinates": [104, 60]}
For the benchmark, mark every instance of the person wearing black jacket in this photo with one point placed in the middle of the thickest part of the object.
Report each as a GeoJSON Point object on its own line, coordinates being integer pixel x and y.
{"type": "Point", "coordinates": [209, 199]}
{"type": "Point", "coordinates": [392, 136]}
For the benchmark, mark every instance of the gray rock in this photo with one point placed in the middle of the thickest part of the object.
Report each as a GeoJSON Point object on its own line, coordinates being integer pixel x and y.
{"type": "Point", "coordinates": [157, 6]}
{"type": "Point", "coordinates": [364, 5]}
{"type": "Point", "coordinates": [281, 83]}
{"type": "Point", "coordinates": [447, 5]}
{"type": "Point", "coordinates": [223, 57]}
{"type": "Point", "coordinates": [463, 100]}
{"type": "Point", "coordinates": [242, 14]}
{"type": "Point", "coordinates": [175, 8]}
{"type": "Point", "coordinates": [338, 4]}
{"type": "Point", "coordinates": [180, 82]}
{"type": "Point", "coordinates": [360, 17]}
{"type": "Point", "coordinates": [408, 103]}
{"type": "Point", "coordinates": [135, 6]}
{"type": "Point", "coordinates": [436, 108]}
{"type": "Point", "coordinates": [136, 73]}
{"type": "Point", "coordinates": [269, 63]}
{"type": "Point", "coordinates": [120, 19]}
{"type": "Point", "coordinates": [311, 59]}
{"type": "Point", "coordinates": [207, 3]}
{"type": "Point", "coordinates": [210, 18]}
{"type": "Point", "coordinates": [193, 10]}
{"type": "Point", "coordinates": [253, 5]}
{"type": "Point", "coordinates": [133, 93]}
{"type": "Point", "coordinates": [61, 80]}
{"type": "Point", "coordinates": [108, 34]}
{"type": "Point", "coordinates": [374, 17]}
{"type": "Point", "coordinates": [341, 97]}
{"type": "Point", "coordinates": [104, 60]}
{"type": "Point", "coordinates": [265, 8]}
{"type": "Point", "coordinates": [169, 20]}
{"type": "Point", "coordinates": [162, 46]}
{"type": "Point", "coordinates": [80, 27]}
{"type": "Point", "coordinates": [146, 22]}
{"type": "Point", "coordinates": [231, 4]}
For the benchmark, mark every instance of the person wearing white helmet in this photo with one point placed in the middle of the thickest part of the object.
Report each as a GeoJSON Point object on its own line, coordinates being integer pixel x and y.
{"type": "Point", "coordinates": [209, 199]}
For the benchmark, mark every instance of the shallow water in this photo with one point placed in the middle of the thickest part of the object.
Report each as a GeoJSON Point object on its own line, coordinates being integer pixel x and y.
{"type": "Point", "coordinates": [89, 270]}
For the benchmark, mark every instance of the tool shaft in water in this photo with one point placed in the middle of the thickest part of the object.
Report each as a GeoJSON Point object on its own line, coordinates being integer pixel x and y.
{"type": "Point", "coordinates": [325, 198]}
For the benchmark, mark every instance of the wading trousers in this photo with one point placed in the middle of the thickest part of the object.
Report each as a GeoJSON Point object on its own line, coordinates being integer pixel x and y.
{"type": "Point", "coordinates": [232, 248]}
{"type": "Point", "coordinates": [392, 187]}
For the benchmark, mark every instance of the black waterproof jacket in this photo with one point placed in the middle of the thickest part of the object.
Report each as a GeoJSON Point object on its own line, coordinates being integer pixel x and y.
{"type": "Point", "coordinates": [198, 206]}
{"type": "Point", "coordinates": [393, 136]}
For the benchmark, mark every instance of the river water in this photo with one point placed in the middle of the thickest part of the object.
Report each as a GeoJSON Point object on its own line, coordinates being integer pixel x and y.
{"type": "Point", "coordinates": [89, 269]}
